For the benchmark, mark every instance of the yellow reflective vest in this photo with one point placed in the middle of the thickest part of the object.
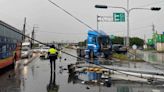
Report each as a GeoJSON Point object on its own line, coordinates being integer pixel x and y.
{"type": "Point", "coordinates": [52, 51]}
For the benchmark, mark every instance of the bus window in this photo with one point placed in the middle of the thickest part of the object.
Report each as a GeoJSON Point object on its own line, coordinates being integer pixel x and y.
{"type": "Point", "coordinates": [0, 48]}
{"type": "Point", "coordinates": [3, 48]}
{"type": "Point", "coordinates": [1, 31]}
{"type": "Point", "coordinates": [0, 51]}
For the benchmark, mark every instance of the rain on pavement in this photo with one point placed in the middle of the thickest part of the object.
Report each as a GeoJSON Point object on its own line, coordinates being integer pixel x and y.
{"type": "Point", "coordinates": [152, 56]}
{"type": "Point", "coordinates": [36, 77]}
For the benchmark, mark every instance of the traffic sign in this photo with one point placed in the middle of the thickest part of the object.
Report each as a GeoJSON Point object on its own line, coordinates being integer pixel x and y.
{"type": "Point", "coordinates": [119, 17]}
{"type": "Point", "coordinates": [134, 47]}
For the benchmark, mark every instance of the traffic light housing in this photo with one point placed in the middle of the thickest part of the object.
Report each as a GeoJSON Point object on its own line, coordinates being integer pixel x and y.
{"type": "Point", "coordinates": [155, 8]}
{"type": "Point", "coordinates": [101, 6]}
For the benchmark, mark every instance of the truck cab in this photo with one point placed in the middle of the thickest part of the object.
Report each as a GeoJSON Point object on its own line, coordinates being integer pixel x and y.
{"type": "Point", "coordinates": [98, 43]}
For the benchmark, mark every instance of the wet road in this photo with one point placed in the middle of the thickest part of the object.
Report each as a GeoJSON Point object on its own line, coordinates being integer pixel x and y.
{"type": "Point", "coordinates": [36, 77]}
{"type": "Point", "coordinates": [152, 57]}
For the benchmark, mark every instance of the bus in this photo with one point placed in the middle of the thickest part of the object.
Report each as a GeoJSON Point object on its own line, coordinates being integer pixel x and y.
{"type": "Point", "coordinates": [10, 45]}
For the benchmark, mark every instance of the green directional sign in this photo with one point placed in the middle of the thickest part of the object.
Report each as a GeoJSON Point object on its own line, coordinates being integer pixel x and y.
{"type": "Point", "coordinates": [119, 17]}
{"type": "Point", "coordinates": [150, 42]}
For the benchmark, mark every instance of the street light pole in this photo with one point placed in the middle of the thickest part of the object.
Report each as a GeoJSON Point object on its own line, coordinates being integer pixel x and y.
{"type": "Point", "coordinates": [127, 38]}
{"type": "Point", "coordinates": [128, 13]}
{"type": "Point", "coordinates": [97, 22]}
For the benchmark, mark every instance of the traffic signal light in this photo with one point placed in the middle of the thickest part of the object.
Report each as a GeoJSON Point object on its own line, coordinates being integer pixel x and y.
{"type": "Point", "coordinates": [155, 8]}
{"type": "Point", "coordinates": [101, 6]}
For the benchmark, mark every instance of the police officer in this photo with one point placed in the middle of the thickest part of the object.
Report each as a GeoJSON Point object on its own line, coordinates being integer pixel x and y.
{"type": "Point", "coordinates": [52, 53]}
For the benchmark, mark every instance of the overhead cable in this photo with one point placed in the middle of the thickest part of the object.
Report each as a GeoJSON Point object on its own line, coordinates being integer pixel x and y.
{"type": "Point", "coordinates": [71, 15]}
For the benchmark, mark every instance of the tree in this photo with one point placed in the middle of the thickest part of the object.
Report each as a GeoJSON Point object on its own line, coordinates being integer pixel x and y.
{"type": "Point", "coordinates": [134, 40]}
{"type": "Point", "coordinates": [82, 43]}
{"type": "Point", "coordinates": [118, 40]}
{"type": "Point", "coordinates": [137, 41]}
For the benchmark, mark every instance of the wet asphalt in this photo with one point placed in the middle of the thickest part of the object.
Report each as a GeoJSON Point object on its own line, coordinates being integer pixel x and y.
{"type": "Point", "coordinates": [36, 77]}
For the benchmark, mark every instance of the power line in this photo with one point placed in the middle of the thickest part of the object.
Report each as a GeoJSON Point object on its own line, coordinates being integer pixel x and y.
{"type": "Point", "coordinates": [62, 33]}
{"type": "Point", "coordinates": [71, 15]}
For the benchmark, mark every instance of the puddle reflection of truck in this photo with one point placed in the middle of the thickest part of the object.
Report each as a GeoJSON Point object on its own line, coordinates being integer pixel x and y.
{"type": "Point", "coordinates": [98, 44]}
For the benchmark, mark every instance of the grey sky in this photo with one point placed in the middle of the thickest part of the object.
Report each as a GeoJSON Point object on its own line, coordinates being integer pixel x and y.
{"type": "Point", "coordinates": [56, 25]}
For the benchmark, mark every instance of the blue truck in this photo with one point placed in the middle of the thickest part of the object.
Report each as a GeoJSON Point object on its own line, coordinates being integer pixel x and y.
{"type": "Point", "coordinates": [98, 44]}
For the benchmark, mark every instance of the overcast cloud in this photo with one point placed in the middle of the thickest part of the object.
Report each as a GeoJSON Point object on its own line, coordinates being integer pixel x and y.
{"type": "Point", "coordinates": [56, 25]}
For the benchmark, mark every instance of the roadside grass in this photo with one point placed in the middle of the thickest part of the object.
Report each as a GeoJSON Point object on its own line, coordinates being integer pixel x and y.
{"type": "Point", "coordinates": [124, 57]}
{"type": "Point", "coordinates": [149, 49]}
{"type": "Point", "coordinates": [120, 56]}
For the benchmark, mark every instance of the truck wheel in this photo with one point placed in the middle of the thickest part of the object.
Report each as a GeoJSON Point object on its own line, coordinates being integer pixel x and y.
{"type": "Point", "coordinates": [106, 55]}
{"type": "Point", "coordinates": [91, 54]}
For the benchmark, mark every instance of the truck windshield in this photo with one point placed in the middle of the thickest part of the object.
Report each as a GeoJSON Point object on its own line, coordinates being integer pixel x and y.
{"type": "Point", "coordinates": [103, 40]}
{"type": "Point", "coordinates": [92, 40]}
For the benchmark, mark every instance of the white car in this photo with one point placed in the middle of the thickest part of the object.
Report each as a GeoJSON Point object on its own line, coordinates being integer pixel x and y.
{"type": "Point", "coordinates": [44, 52]}
{"type": "Point", "coordinates": [36, 50]}
{"type": "Point", "coordinates": [44, 49]}
{"type": "Point", "coordinates": [26, 52]}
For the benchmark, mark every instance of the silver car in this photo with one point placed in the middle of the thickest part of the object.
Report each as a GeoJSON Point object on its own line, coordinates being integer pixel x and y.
{"type": "Point", "coordinates": [36, 50]}
{"type": "Point", "coordinates": [26, 52]}
{"type": "Point", "coordinates": [44, 52]}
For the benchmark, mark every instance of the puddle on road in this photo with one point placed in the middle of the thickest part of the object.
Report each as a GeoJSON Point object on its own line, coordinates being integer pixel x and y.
{"type": "Point", "coordinates": [152, 57]}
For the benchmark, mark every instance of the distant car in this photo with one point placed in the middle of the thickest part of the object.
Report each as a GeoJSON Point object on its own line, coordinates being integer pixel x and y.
{"type": "Point", "coordinates": [44, 49]}
{"type": "Point", "coordinates": [44, 52]}
{"type": "Point", "coordinates": [36, 50]}
{"type": "Point", "coordinates": [26, 44]}
{"type": "Point", "coordinates": [140, 48]}
{"type": "Point", "coordinates": [26, 52]}
{"type": "Point", "coordinates": [118, 48]}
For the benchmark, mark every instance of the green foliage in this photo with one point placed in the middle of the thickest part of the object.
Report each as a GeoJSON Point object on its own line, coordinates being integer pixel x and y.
{"type": "Point", "coordinates": [82, 43]}
{"type": "Point", "coordinates": [133, 40]}
{"type": "Point", "coordinates": [137, 41]}
{"type": "Point", "coordinates": [118, 40]}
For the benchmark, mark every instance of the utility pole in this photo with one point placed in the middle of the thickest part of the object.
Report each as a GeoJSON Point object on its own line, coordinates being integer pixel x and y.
{"type": "Point", "coordinates": [97, 22]}
{"type": "Point", "coordinates": [154, 35]}
{"type": "Point", "coordinates": [153, 28]}
{"type": "Point", "coordinates": [144, 39]}
{"type": "Point", "coordinates": [127, 37]}
{"type": "Point", "coordinates": [24, 29]}
{"type": "Point", "coordinates": [33, 33]}
{"type": "Point", "coordinates": [33, 36]}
